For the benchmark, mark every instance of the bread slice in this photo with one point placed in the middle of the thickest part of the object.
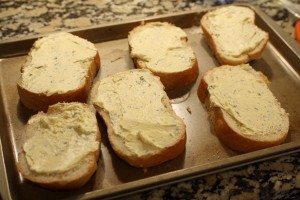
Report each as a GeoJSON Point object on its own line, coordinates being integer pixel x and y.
{"type": "Point", "coordinates": [232, 34]}
{"type": "Point", "coordinates": [141, 125]}
{"type": "Point", "coordinates": [61, 147]}
{"type": "Point", "coordinates": [58, 68]}
{"type": "Point", "coordinates": [245, 113]}
{"type": "Point", "coordinates": [162, 48]}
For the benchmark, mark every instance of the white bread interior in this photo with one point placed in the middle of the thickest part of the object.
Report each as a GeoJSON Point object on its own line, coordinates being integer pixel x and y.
{"type": "Point", "coordinates": [59, 68]}
{"type": "Point", "coordinates": [163, 49]}
{"type": "Point", "coordinates": [232, 34]}
{"type": "Point", "coordinates": [245, 113]}
{"type": "Point", "coordinates": [61, 147]}
{"type": "Point", "coordinates": [142, 127]}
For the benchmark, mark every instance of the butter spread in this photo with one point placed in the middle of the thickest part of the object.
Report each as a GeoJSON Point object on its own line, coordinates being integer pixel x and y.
{"type": "Point", "coordinates": [233, 30]}
{"type": "Point", "coordinates": [59, 63]}
{"type": "Point", "coordinates": [246, 98]}
{"type": "Point", "coordinates": [133, 101]}
{"type": "Point", "coordinates": [162, 48]}
{"type": "Point", "coordinates": [61, 139]}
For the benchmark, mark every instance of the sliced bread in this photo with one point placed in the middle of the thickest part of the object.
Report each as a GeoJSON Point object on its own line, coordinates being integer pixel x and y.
{"type": "Point", "coordinates": [232, 34]}
{"type": "Point", "coordinates": [163, 49]}
{"type": "Point", "coordinates": [61, 147]}
{"type": "Point", "coordinates": [58, 68]}
{"type": "Point", "coordinates": [245, 113]}
{"type": "Point", "coordinates": [142, 127]}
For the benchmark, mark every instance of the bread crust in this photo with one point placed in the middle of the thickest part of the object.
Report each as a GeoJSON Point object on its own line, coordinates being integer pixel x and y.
{"type": "Point", "coordinates": [226, 60]}
{"type": "Point", "coordinates": [74, 178]}
{"type": "Point", "coordinates": [227, 134]}
{"type": "Point", "coordinates": [41, 101]}
{"type": "Point", "coordinates": [235, 140]}
{"type": "Point", "coordinates": [150, 159]}
{"type": "Point", "coordinates": [172, 80]}
{"type": "Point", "coordinates": [58, 181]}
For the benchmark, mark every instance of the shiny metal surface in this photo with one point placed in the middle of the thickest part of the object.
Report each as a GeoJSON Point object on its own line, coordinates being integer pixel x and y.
{"type": "Point", "coordinates": [204, 153]}
{"type": "Point", "coordinates": [291, 7]}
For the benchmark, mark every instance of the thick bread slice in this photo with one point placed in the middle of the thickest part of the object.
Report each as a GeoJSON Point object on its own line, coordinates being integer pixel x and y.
{"type": "Point", "coordinates": [162, 48]}
{"type": "Point", "coordinates": [142, 127]}
{"type": "Point", "coordinates": [61, 146]}
{"type": "Point", "coordinates": [59, 68]}
{"type": "Point", "coordinates": [245, 113]}
{"type": "Point", "coordinates": [232, 34]}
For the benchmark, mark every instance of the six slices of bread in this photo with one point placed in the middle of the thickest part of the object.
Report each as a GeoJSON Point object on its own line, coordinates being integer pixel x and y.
{"type": "Point", "coordinates": [142, 127]}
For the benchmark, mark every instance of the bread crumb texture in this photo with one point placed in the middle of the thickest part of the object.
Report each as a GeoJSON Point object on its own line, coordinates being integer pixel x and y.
{"type": "Point", "coordinates": [59, 140]}
{"type": "Point", "coordinates": [233, 30]}
{"type": "Point", "coordinates": [161, 47]}
{"type": "Point", "coordinates": [241, 93]}
{"type": "Point", "coordinates": [139, 111]}
{"type": "Point", "coordinates": [58, 63]}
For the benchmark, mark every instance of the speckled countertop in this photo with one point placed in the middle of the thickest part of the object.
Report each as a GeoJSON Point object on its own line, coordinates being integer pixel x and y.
{"type": "Point", "coordinates": [273, 179]}
{"type": "Point", "coordinates": [20, 18]}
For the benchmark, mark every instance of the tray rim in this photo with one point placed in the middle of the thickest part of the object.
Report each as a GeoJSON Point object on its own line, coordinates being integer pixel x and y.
{"type": "Point", "coordinates": [287, 38]}
{"type": "Point", "coordinates": [182, 174]}
{"type": "Point", "coordinates": [81, 32]}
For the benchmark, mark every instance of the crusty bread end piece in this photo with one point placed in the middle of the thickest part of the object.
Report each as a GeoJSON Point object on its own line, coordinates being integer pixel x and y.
{"type": "Point", "coordinates": [141, 125]}
{"type": "Point", "coordinates": [232, 34]}
{"type": "Point", "coordinates": [59, 68]}
{"type": "Point", "coordinates": [245, 114]}
{"type": "Point", "coordinates": [163, 49]}
{"type": "Point", "coordinates": [61, 147]}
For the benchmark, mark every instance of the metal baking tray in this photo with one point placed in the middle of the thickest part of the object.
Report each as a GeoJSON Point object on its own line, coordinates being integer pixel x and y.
{"type": "Point", "coordinates": [204, 153]}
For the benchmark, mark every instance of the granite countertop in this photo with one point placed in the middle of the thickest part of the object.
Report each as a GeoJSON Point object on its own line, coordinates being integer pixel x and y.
{"type": "Point", "coordinates": [22, 18]}
{"type": "Point", "coordinates": [272, 179]}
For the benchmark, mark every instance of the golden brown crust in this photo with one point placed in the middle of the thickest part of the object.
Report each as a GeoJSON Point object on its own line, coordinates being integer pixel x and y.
{"type": "Point", "coordinates": [224, 60]}
{"type": "Point", "coordinates": [202, 91]}
{"type": "Point", "coordinates": [235, 140]}
{"type": "Point", "coordinates": [41, 102]}
{"type": "Point", "coordinates": [157, 159]}
{"type": "Point", "coordinates": [58, 181]}
{"type": "Point", "coordinates": [74, 178]}
{"type": "Point", "coordinates": [225, 133]}
{"type": "Point", "coordinates": [177, 79]}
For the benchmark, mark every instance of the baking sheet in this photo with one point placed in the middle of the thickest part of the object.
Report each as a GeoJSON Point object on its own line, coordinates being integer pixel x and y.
{"type": "Point", "coordinates": [204, 153]}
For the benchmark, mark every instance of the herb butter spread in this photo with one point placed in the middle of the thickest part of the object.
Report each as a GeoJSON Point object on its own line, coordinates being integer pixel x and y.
{"type": "Point", "coordinates": [61, 140]}
{"type": "Point", "coordinates": [240, 92]}
{"type": "Point", "coordinates": [59, 63]}
{"type": "Point", "coordinates": [161, 47]}
{"type": "Point", "coordinates": [233, 30]}
{"type": "Point", "coordinates": [133, 101]}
